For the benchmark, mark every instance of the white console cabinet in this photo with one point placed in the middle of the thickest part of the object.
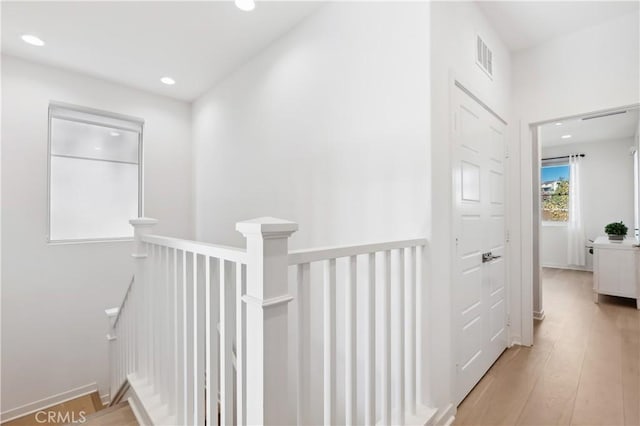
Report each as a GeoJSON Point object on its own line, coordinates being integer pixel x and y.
{"type": "Point", "coordinates": [615, 268]}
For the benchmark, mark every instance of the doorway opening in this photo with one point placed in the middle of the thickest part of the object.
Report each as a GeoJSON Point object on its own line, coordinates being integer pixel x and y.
{"type": "Point", "coordinates": [585, 176]}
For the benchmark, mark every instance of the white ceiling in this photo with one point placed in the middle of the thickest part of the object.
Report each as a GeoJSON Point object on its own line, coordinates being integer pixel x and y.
{"type": "Point", "coordinates": [137, 43]}
{"type": "Point", "coordinates": [619, 126]}
{"type": "Point", "coordinates": [524, 24]}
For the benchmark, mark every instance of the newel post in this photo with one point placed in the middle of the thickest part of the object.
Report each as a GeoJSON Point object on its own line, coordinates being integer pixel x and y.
{"type": "Point", "coordinates": [141, 227]}
{"type": "Point", "coordinates": [266, 301]}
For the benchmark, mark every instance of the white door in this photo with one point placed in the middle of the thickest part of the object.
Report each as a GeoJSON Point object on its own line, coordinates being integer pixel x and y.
{"type": "Point", "coordinates": [479, 296]}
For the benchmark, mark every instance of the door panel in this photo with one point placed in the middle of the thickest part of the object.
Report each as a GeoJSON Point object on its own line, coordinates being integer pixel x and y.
{"type": "Point", "coordinates": [470, 181]}
{"type": "Point", "coordinates": [471, 226]}
{"type": "Point", "coordinates": [479, 223]}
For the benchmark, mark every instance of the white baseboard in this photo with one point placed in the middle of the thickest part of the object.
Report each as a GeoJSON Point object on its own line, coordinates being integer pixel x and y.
{"type": "Point", "coordinates": [423, 416]}
{"type": "Point", "coordinates": [538, 316]}
{"type": "Point", "coordinates": [105, 399]}
{"type": "Point", "coordinates": [570, 267]}
{"type": "Point", "coordinates": [446, 416]}
{"type": "Point", "coordinates": [41, 404]}
{"type": "Point", "coordinates": [515, 340]}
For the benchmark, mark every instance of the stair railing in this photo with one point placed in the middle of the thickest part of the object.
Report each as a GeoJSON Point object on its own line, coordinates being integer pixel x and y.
{"type": "Point", "coordinates": [122, 351]}
{"type": "Point", "coordinates": [220, 335]}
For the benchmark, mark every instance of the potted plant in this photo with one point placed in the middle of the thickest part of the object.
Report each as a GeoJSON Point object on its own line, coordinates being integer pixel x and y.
{"type": "Point", "coordinates": [616, 230]}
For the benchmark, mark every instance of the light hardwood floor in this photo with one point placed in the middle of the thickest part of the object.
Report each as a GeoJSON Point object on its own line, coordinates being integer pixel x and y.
{"type": "Point", "coordinates": [584, 367]}
{"type": "Point", "coordinates": [87, 404]}
{"type": "Point", "coordinates": [93, 414]}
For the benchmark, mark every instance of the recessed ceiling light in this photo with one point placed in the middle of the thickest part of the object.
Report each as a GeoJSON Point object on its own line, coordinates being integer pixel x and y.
{"type": "Point", "coordinates": [32, 40]}
{"type": "Point", "coordinates": [246, 5]}
{"type": "Point", "coordinates": [565, 136]}
{"type": "Point", "coordinates": [168, 81]}
{"type": "Point", "coordinates": [558, 124]}
{"type": "Point", "coordinates": [97, 148]}
{"type": "Point", "coordinates": [114, 134]}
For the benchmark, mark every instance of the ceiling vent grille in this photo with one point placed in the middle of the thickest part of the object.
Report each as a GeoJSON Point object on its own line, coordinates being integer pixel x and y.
{"type": "Point", "coordinates": [484, 56]}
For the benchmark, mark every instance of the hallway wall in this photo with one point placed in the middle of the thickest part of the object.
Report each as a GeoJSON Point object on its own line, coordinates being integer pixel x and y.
{"type": "Point", "coordinates": [588, 70]}
{"type": "Point", "coordinates": [454, 26]}
{"type": "Point", "coordinates": [54, 295]}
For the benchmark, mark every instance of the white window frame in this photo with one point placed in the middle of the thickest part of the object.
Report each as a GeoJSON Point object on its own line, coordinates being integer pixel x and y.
{"type": "Point", "coordinates": [81, 114]}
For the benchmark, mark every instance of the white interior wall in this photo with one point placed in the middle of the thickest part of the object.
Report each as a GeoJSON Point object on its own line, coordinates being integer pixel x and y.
{"type": "Point", "coordinates": [325, 127]}
{"type": "Point", "coordinates": [560, 79]}
{"type": "Point", "coordinates": [54, 296]}
{"type": "Point", "coordinates": [453, 35]}
{"type": "Point", "coordinates": [328, 127]}
{"type": "Point", "coordinates": [636, 219]}
{"type": "Point", "coordinates": [606, 172]}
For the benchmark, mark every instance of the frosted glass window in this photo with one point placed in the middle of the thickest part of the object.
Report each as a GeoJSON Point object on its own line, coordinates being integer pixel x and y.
{"type": "Point", "coordinates": [94, 174]}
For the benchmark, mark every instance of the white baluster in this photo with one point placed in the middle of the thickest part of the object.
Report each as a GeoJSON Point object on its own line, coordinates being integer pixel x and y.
{"type": "Point", "coordinates": [198, 340]}
{"type": "Point", "coordinates": [167, 337]}
{"type": "Point", "coordinates": [129, 324]}
{"type": "Point", "coordinates": [419, 326]}
{"type": "Point", "coordinates": [329, 328]}
{"type": "Point", "coordinates": [386, 342]}
{"type": "Point", "coordinates": [172, 315]}
{"type": "Point", "coordinates": [398, 334]}
{"type": "Point", "coordinates": [130, 331]}
{"type": "Point", "coordinates": [178, 371]}
{"type": "Point", "coordinates": [303, 330]}
{"type": "Point", "coordinates": [267, 301]}
{"type": "Point", "coordinates": [189, 377]}
{"type": "Point", "coordinates": [226, 341]}
{"type": "Point", "coordinates": [370, 354]}
{"type": "Point", "coordinates": [240, 344]}
{"type": "Point", "coordinates": [149, 308]}
{"type": "Point", "coordinates": [409, 328]}
{"type": "Point", "coordinates": [155, 318]}
{"type": "Point", "coordinates": [161, 318]}
{"type": "Point", "coordinates": [121, 354]}
{"type": "Point", "coordinates": [143, 344]}
{"type": "Point", "coordinates": [351, 411]}
{"type": "Point", "coordinates": [212, 307]}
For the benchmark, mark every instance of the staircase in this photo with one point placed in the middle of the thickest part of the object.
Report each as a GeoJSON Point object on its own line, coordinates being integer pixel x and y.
{"type": "Point", "coordinates": [210, 334]}
{"type": "Point", "coordinates": [116, 415]}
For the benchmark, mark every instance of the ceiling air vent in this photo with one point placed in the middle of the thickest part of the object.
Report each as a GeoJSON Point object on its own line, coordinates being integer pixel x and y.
{"type": "Point", "coordinates": [484, 56]}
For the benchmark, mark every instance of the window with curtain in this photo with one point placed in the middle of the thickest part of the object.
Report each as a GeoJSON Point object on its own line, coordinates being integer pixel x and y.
{"type": "Point", "coordinates": [554, 192]}
{"type": "Point", "coordinates": [95, 174]}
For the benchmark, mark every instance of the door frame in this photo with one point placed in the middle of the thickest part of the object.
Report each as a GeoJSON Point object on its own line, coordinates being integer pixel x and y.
{"type": "Point", "coordinates": [532, 289]}
{"type": "Point", "coordinates": [456, 84]}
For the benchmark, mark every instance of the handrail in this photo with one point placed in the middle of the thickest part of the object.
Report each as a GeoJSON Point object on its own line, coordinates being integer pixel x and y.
{"type": "Point", "coordinates": [232, 254]}
{"type": "Point", "coordinates": [124, 300]}
{"type": "Point", "coordinates": [297, 257]}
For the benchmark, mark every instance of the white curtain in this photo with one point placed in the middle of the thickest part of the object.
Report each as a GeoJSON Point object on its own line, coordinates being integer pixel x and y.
{"type": "Point", "coordinates": [575, 231]}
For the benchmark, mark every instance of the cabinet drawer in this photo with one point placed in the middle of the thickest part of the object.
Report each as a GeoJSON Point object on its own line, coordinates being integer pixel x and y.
{"type": "Point", "coordinates": [616, 272]}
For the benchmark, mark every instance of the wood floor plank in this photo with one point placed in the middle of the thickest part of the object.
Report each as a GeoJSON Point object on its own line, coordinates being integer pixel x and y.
{"type": "Point", "coordinates": [630, 352]}
{"type": "Point", "coordinates": [556, 389]}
